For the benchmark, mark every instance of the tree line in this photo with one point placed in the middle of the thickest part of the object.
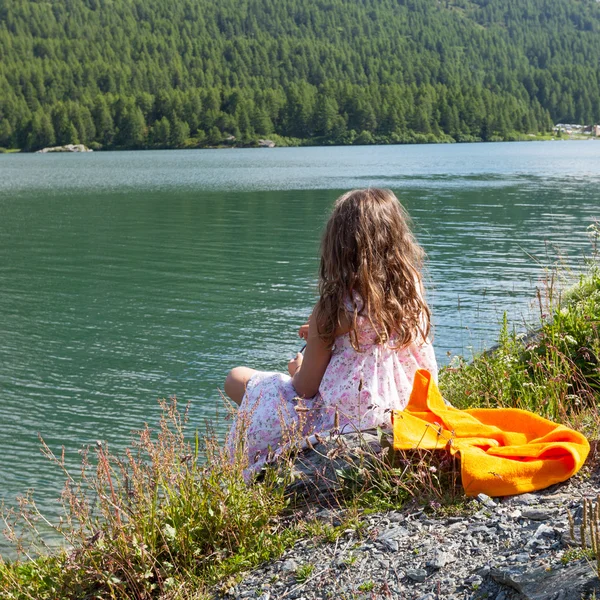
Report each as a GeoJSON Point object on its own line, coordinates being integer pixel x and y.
{"type": "Point", "coordinates": [183, 73]}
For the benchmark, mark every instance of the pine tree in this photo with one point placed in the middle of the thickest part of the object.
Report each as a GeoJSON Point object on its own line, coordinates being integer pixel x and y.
{"type": "Point", "coordinates": [42, 131]}
{"type": "Point", "coordinates": [180, 132]}
{"type": "Point", "coordinates": [160, 133]}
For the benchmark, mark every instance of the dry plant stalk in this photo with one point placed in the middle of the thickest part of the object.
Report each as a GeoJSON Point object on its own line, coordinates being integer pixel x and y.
{"type": "Point", "coordinates": [589, 528]}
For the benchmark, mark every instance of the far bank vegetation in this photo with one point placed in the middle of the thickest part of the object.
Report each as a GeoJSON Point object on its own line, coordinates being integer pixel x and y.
{"type": "Point", "coordinates": [181, 74]}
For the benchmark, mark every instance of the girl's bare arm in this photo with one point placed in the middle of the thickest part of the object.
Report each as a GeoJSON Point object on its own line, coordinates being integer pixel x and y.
{"type": "Point", "coordinates": [307, 371]}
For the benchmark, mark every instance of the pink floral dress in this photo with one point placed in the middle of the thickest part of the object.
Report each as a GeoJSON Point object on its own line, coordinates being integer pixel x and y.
{"type": "Point", "coordinates": [358, 391]}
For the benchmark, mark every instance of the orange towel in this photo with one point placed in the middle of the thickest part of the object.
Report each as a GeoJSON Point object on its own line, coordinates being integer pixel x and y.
{"type": "Point", "coordinates": [503, 451]}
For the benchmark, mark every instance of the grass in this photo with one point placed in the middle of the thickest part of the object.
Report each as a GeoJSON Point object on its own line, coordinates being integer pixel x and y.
{"type": "Point", "coordinates": [173, 516]}
{"type": "Point", "coordinates": [367, 586]}
{"type": "Point", "coordinates": [168, 519]}
{"type": "Point", "coordinates": [304, 572]}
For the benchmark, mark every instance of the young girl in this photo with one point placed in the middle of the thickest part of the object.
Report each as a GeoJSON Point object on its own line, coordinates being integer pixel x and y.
{"type": "Point", "coordinates": [365, 339]}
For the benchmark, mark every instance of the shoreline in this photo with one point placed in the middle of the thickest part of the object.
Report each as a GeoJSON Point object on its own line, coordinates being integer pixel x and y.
{"type": "Point", "coordinates": [309, 143]}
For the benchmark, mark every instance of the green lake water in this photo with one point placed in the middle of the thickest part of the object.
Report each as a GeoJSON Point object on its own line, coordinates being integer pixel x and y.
{"type": "Point", "coordinates": [127, 277]}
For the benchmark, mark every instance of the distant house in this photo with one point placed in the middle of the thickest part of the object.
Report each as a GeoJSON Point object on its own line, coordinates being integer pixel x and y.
{"type": "Point", "coordinates": [571, 128]}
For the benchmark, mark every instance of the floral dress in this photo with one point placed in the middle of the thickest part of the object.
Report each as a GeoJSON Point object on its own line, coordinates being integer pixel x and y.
{"type": "Point", "coordinates": [359, 390]}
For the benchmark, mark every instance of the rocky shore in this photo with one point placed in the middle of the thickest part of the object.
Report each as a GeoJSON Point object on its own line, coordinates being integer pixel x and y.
{"type": "Point", "coordinates": [512, 548]}
{"type": "Point", "coordinates": [65, 148]}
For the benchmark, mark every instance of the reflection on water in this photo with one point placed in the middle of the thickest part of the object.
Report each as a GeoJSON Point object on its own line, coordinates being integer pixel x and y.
{"type": "Point", "coordinates": [125, 277]}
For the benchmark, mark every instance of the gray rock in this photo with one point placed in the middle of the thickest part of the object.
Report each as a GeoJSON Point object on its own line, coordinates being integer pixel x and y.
{"type": "Point", "coordinates": [289, 566]}
{"type": "Point", "coordinates": [523, 499]}
{"type": "Point", "coordinates": [391, 545]}
{"type": "Point", "coordinates": [319, 473]}
{"type": "Point", "coordinates": [542, 530]}
{"type": "Point", "coordinates": [396, 517]}
{"type": "Point", "coordinates": [558, 498]}
{"type": "Point", "coordinates": [538, 514]}
{"type": "Point", "coordinates": [486, 500]}
{"type": "Point", "coordinates": [474, 580]}
{"type": "Point", "coordinates": [417, 574]}
{"type": "Point", "coordinates": [393, 533]}
{"type": "Point", "coordinates": [573, 581]}
{"type": "Point", "coordinates": [65, 148]}
{"type": "Point", "coordinates": [439, 559]}
{"type": "Point", "coordinates": [521, 558]}
{"type": "Point", "coordinates": [480, 529]}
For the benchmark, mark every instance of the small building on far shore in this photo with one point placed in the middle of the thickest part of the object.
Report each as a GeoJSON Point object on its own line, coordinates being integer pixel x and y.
{"type": "Point", "coordinates": [569, 129]}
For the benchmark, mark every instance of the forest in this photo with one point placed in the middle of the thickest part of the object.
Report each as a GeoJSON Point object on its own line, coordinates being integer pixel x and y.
{"type": "Point", "coordinates": [127, 74]}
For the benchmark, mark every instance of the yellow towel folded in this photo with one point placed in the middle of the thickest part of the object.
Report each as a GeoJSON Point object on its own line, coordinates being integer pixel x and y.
{"type": "Point", "coordinates": [503, 451]}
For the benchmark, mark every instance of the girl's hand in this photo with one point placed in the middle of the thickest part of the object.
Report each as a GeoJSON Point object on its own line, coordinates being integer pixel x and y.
{"type": "Point", "coordinates": [294, 364]}
{"type": "Point", "coordinates": [303, 331]}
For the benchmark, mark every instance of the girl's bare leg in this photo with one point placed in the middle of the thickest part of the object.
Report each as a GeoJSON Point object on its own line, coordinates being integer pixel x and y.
{"type": "Point", "coordinates": [235, 384]}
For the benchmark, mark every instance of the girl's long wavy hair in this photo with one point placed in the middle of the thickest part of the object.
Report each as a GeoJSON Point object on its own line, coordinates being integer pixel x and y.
{"type": "Point", "coordinates": [368, 249]}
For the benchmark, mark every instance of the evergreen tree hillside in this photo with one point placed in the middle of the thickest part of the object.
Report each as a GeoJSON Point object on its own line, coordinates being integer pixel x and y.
{"type": "Point", "coordinates": [176, 73]}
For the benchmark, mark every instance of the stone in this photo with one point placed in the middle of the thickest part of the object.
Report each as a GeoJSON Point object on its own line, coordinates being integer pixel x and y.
{"type": "Point", "coordinates": [391, 545]}
{"type": "Point", "coordinates": [474, 581]}
{"type": "Point", "coordinates": [538, 514]}
{"type": "Point", "coordinates": [417, 574]}
{"type": "Point", "coordinates": [393, 533]}
{"type": "Point", "coordinates": [558, 498]}
{"type": "Point", "coordinates": [521, 558]}
{"type": "Point", "coordinates": [396, 517]}
{"type": "Point", "coordinates": [486, 500]}
{"type": "Point", "coordinates": [289, 566]}
{"type": "Point", "coordinates": [439, 559]}
{"type": "Point", "coordinates": [575, 580]}
{"type": "Point", "coordinates": [523, 499]}
{"type": "Point", "coordinates": [480, 529]}
{"type": "Point", "coordinates": [542, 530]}
{"type": "Point", "coordinates": [65, 148]}
{"type": "Point", "coordinates": [318, 473]}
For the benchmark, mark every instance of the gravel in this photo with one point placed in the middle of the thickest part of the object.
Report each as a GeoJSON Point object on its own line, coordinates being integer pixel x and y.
{"type": "Point", "coordinates": [512, 548]}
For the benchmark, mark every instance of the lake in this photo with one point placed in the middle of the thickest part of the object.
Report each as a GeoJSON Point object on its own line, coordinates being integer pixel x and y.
{"type": "Point", "coordinates": [127, 277]}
